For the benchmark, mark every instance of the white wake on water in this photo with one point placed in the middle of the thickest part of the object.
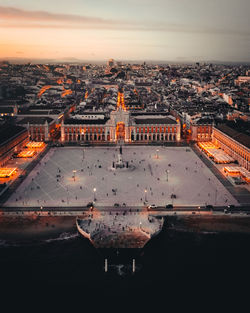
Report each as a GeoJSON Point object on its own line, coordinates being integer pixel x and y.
{"type": "Point", "coordinates": [63, 236]}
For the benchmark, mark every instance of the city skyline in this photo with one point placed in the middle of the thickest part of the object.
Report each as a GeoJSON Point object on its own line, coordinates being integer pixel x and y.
{"type": "Point", "coordinates": [177, 31]}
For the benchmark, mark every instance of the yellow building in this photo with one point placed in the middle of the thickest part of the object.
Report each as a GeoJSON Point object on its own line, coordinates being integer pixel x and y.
{"type": "Point", "coordinates": [12, 139]}
{"type": "Point", "coordinates": [234, 143]}
{"type": "Point", "coordinates": [121, 125]}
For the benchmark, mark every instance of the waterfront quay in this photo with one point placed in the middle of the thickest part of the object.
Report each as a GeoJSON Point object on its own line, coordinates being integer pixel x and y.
{"type": "Point", "coordinates": [160, 211]}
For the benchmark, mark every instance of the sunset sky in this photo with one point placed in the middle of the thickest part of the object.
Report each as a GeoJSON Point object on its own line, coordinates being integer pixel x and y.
{"type": "Point", "coordinates": [171, 30]}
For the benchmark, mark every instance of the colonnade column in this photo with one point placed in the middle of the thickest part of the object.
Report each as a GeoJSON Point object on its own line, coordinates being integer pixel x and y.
{"type": "Point", "coordinates": [126, 134]}
{"type": "Point", "coordinates": [62, 132]}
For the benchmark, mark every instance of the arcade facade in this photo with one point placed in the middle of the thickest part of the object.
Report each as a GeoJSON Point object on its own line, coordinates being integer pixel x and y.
{"type": "Point", "coordinates": [232, 147]}
{"type": "Point", "coordinates": [122, 126]}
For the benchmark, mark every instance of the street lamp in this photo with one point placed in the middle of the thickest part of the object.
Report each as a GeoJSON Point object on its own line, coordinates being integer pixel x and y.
{"type": "Point", "coordinates": [74, 172]}
{"type": "Point", "coordinates": [145, 191]}
{"type": "Point", "coordinates": [167, 172]}
{"type": "Point", "coordinates": [157, 153]}
{"type": "Point", "coordinates": [94, 190]}
{"type": "Point", "coordinates": [140, 225]}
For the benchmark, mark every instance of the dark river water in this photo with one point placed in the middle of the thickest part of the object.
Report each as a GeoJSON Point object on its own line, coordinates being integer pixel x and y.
{"type": "Point", "coordinates": [174, 262]}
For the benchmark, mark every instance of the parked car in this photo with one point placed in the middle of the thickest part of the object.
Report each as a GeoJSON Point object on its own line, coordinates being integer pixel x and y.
{"type": "Point", "coordinates": [116, 204]}
{"type": "Point", "coordinates": [152, 206]}
{"type": "Point", "coordinates": [209, 206]}
{"type": "Point", "coordinates": [169, 206]}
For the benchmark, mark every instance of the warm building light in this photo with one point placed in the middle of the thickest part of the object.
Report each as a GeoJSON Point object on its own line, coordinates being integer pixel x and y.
{"type": "Point", "coordinates": [43, 89]}
{"type": "Point", "coordinates": [237, 170]}
{"type": "Point", "coordinates": [7, 172]}
{"type": "Point", "coordinates": [26, 154]}
{"type": "Point", "coordinates": [120, 130]}
{"type": "Point", "coordinates": [35, 144]}
{"type": "Point", "coordinates": [120, 101]}
{"type": "Point", "coordinates": [213, 152]}
{"type": "Point", "coordinates": [46, 67]}
{"type": "Point", "coordinates": [66, 92]}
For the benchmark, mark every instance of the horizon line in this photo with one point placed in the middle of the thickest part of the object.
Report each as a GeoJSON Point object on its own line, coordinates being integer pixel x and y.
{"type": "Point", "coordinates": [75, 60]}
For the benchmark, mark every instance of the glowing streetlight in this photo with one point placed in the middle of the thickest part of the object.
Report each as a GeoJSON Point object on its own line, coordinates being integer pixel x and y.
{"type": "Point", "coordinates": [140, 225]}
{"type": "Point", "coordinates": [94, 190]}
{"type": "Point", "coordinates": [74, 172]}
{"type": "Point", "coordinates": [145, 191]}
{"type": "Point", "coordinates": [157, 153]}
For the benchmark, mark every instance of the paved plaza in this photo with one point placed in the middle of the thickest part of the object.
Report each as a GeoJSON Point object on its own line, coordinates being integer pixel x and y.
{"type": "Point", "coordinates": [77, 175]}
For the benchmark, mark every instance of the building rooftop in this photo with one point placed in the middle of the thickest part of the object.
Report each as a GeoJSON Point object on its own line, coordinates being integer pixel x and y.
{"type": "Point", "coordinates": [143, 113]}
{"type": "Point", "coordinates": [5, 102]}
{"type": "Point", "coordinates": [35, 120]}
{"type": "Point", "coordinates": [155, 120]}
{"type": "Point", "coordinates": [6, 109]}
{"type": "Point", "coordinates": [7, 132]}
{"type": "Point", "coordinates": [39, 111]}
{"type": "Point", "coordinates": [42, 112]}
{"type": "Point", "coordinates": [235, 134]}
{"type": "Point", "coordinates": [202, 121]}
{"type": "Point", "coordinates": [72, 121]}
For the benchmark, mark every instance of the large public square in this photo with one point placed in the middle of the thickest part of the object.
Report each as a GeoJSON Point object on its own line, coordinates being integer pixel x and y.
{"type": "Point", "coordinates": [75, 176]}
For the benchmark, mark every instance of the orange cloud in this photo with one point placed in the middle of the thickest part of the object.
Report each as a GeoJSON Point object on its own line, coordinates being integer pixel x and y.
{"type": "Point", "coordinates": [17, 15]}
{"type": "Point", "coordinates": [17, 18]}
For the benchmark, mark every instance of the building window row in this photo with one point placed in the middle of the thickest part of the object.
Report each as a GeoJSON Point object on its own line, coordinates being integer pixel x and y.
{"type": "Point", "coordinates": [155, 129]}
{"type": "Point", "coordinates": [153, 137]}
{"type": "Point", "coordinates": [84, 129]}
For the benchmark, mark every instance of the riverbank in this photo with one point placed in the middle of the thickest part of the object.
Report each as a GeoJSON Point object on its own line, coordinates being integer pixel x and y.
{"type": "Point", "coordinates": [35, 227]}
{"type": "Point", "coordinates": [212, 223]}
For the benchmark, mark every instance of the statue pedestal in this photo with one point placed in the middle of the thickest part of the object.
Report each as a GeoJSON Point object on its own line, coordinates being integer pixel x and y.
{"type": "Point", "coordinates": [120, 163]}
